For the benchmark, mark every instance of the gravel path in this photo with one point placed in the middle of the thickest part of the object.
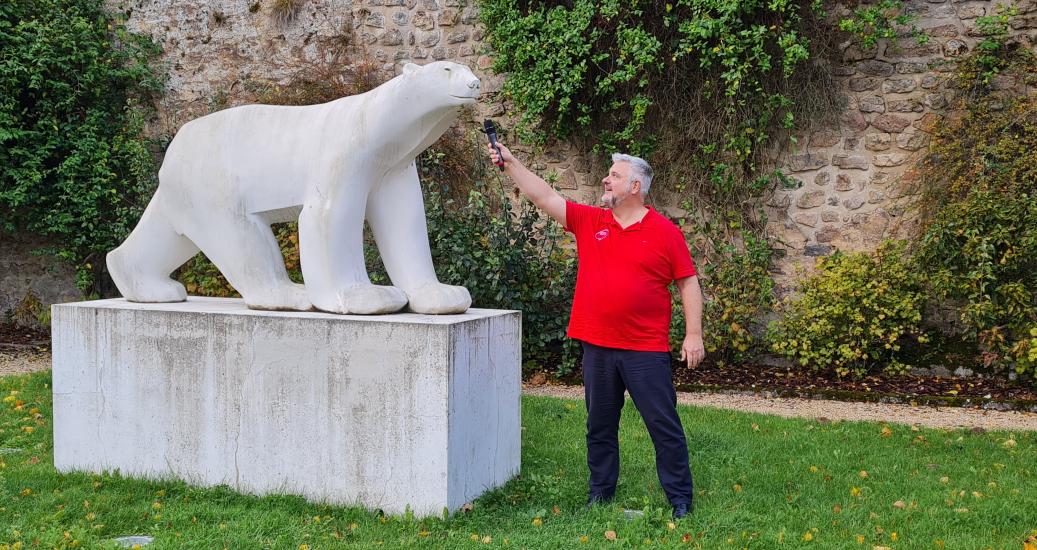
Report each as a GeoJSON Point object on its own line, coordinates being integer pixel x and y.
{"type": "Point", "coordinates": [20, 361]}
{"type": "Point", "coordinates": [933, 417]}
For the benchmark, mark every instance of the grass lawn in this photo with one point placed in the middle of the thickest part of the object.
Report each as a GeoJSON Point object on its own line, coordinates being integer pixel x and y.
{"type": "Point", "coordinates": [760, 482]}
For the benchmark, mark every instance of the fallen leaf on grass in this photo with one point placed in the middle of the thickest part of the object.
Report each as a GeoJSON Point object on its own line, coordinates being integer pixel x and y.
{"type": "Point", "coordinates": [899, 504]}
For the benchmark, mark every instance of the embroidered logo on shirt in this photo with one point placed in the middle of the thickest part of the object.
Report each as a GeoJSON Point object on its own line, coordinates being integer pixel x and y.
{"type": "Point", "coordinates": [600, 235]}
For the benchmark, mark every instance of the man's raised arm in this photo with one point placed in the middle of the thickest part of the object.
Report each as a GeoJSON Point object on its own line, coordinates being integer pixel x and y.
{"type": "Point", "coordinates": [531, 185]}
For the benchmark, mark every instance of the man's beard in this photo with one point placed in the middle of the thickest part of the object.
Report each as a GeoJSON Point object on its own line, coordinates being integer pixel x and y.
{"type": "Point", "coordinates": [611, 201]}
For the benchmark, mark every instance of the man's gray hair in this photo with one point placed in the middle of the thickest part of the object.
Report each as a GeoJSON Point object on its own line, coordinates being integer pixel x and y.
{"type": "Point", "coordinates": [639, 170]}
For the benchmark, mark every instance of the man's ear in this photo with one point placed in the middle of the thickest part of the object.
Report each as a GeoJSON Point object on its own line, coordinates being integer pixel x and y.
{"type": "Point", "coordinates": [410, 68]}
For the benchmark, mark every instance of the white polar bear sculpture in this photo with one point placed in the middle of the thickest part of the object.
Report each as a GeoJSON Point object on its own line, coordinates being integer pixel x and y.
{"type": "Point", "coordinates": [229, 175]}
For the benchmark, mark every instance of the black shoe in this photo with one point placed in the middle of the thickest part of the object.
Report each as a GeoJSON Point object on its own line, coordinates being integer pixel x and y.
{"type": "Point", "coordinates": [598, 499]}
{"type": "Point", "coordinates": [681, 509]}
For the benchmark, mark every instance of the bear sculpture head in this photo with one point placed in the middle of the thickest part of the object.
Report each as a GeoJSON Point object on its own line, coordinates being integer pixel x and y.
{"type": "Point", "coordinates": [452, 84]}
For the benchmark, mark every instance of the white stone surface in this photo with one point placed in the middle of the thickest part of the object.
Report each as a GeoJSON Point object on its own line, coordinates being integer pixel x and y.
{"type": "Point", "coordinates": [385, 412]}
{"type": "Point", "coordinates": [227, 176]}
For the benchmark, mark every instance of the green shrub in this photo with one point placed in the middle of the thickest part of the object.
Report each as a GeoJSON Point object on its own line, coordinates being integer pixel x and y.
{"type": "Point", "coordinates": [852, 314]}
{"type": "Point", "coordinates": [983, 250]}
{"type": "Point", "coordinates": [737, 290]}
{"type": "Point", "coordinates": [75, 89]}
{"type": "Point", "coordinates": [978, 185]}
{"type": "Point", "coordinates": [1025, 354]}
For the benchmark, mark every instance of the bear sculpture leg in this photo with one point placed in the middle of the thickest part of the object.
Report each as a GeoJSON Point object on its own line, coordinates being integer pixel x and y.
{"type": "Point", "coordinates": [396, 214]}
{"type": "Point", "coordinates": [245, 250]}
{"type": "Point", "coordinates": [332, 254]}
{"type": "Point", "coordinates": [141, 265]}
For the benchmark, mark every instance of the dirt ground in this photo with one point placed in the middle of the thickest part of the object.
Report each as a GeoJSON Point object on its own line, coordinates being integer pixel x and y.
{"type": "Point", "coordinates": [25, 360]}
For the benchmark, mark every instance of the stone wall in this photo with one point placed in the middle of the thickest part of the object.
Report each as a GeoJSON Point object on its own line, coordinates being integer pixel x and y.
{"type": "Point", "coordinates": [854, 178]}
{"type": "Point", "coordinates": [22, 272]}
{"type": "Point", "coordinates": [852, 192]}
{"type": "Point", "coordinates": [215, 51]}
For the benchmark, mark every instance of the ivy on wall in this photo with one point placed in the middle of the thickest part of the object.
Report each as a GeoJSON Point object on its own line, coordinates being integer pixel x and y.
{"type": "Point", "coordinates": [75, 91]}
{"type": "Point", "coordinates": [978, 201]}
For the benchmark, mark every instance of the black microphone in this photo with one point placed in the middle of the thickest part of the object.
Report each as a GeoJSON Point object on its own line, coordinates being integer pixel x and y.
{"type": "Point", "coordinates": [490, 130]}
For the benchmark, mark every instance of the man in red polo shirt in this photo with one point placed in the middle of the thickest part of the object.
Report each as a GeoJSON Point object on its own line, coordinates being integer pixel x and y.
{"type": "Point", "coordinates": [628, 256]}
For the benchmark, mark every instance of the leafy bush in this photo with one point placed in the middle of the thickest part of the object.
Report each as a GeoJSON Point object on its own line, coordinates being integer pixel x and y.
{"type": "Point", "coordinates": [29, 313]}
{"type": "Point", "coordinates": [508, 259]}
{"type": "Point", "coordinates": [737, 290]}
{"type": "Point", "coordinates": [75, 89]}
{"type": "Point", "coordinates": [978, 187]}
{"type": "Point", "coordinates": [509, 254]}
{"type": "Point", "coordinates": [853, 313]}
{"type": "Point", "coordinates": [1025, 354]}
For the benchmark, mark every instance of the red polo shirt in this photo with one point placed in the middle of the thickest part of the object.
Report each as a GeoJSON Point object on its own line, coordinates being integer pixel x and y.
{"type": "Point", "coordinates": [622, 297]}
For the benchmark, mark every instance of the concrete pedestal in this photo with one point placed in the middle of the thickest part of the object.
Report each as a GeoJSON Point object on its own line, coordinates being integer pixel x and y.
{"type": "Point", "coordinates": [385, 412]}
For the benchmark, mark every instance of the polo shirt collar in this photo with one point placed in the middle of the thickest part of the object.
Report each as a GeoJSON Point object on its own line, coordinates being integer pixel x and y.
{"type": "Point", "coordinates": [636, 226]}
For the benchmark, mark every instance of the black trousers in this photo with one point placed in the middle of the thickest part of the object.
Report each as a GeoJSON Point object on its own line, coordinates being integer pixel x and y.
{"type": "Point", "coordinates": [647, 375]}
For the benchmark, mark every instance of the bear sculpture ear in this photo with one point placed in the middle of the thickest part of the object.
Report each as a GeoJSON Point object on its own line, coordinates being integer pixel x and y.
{"type": "Point", "coordinates": [410, 68]}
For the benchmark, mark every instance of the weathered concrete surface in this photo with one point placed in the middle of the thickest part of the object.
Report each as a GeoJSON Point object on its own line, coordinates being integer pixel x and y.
{"type": "Point", "coordinates": [382, 411]}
